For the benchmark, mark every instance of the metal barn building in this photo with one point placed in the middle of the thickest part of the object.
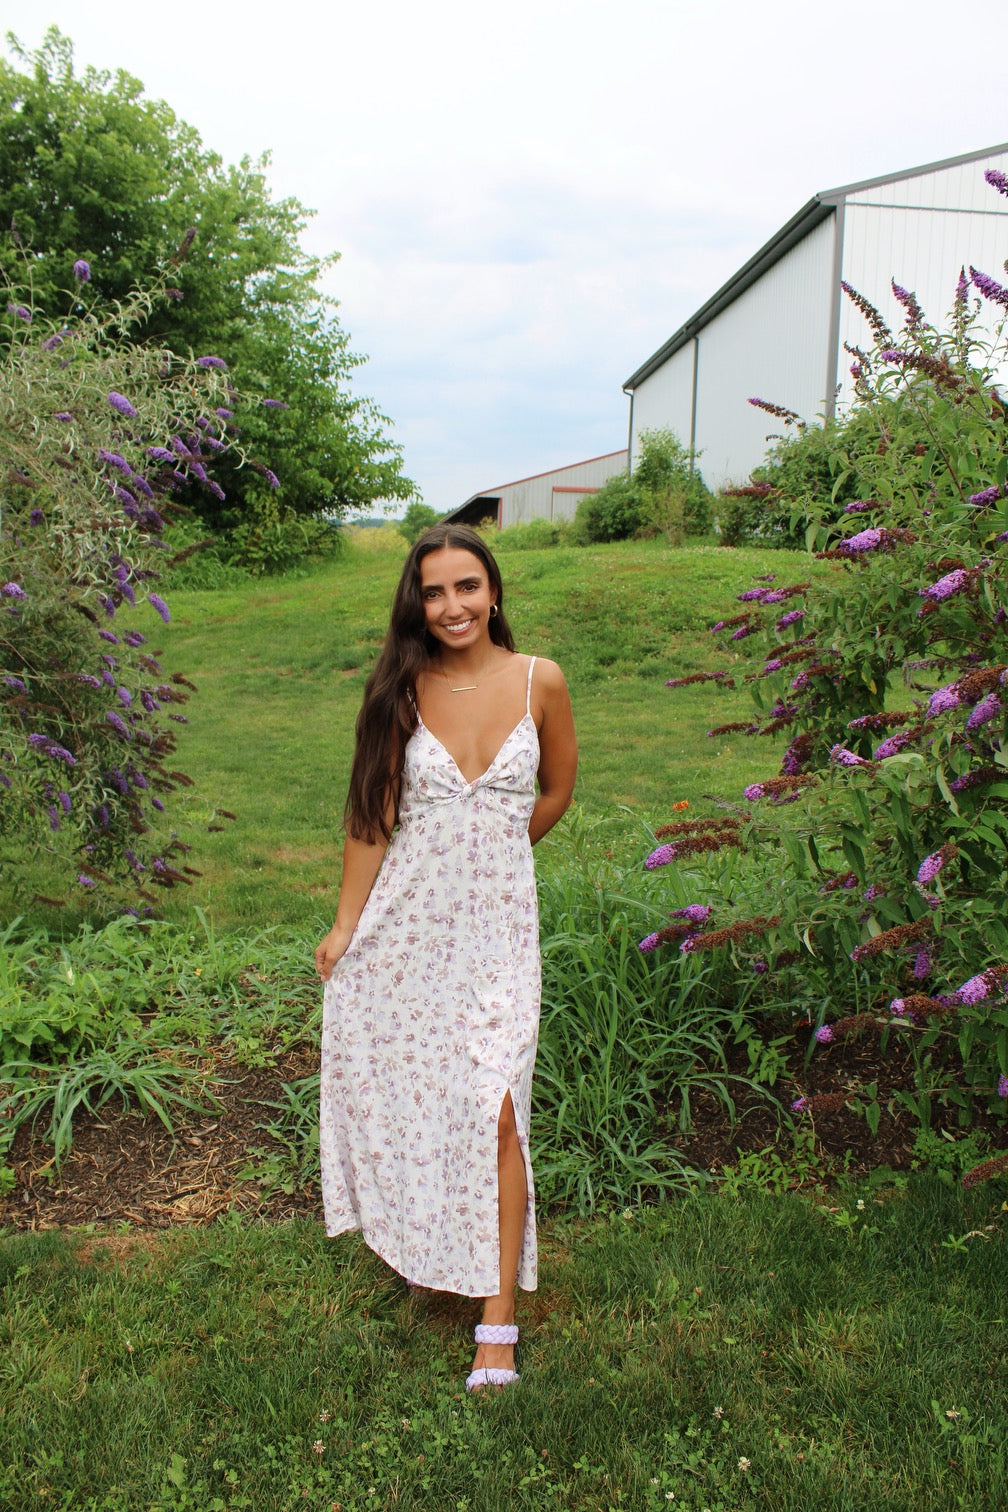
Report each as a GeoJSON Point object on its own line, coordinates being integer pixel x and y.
{"type": "Point", "coordinates": [776, 330]}
{"type": "Point", "coordinates": [545, 496]}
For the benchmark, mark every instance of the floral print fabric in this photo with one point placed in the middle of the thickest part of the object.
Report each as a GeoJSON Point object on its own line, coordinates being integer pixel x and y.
{"type": "Point", "coordinates": [431, 1017]}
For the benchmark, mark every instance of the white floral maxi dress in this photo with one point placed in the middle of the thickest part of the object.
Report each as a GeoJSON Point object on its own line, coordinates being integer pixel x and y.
{"type": "Point", "coordinates": [431, 1017]}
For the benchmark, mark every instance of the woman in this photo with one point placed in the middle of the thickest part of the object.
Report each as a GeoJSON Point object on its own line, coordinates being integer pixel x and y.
{"type": "Point", "coordinates": [432, 966]}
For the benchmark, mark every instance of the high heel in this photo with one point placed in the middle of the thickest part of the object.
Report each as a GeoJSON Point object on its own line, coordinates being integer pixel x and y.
{"type": "Point", "coordinates": [493, 1333]}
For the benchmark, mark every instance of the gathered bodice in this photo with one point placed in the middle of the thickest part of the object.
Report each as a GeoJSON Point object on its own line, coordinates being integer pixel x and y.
{"type": "Point", "coordinates": [431, 776]}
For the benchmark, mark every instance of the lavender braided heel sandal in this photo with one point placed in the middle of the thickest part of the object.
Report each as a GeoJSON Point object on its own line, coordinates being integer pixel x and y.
{"type": "Point", "coordinates": [493, 1333]}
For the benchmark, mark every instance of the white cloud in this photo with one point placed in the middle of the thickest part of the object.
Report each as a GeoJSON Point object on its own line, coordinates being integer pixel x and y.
{"type": "Point", "coordinates": [530, 199]}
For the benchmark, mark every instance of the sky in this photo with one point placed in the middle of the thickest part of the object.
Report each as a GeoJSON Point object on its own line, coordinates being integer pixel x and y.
{"type": "Point", "coordinates": [529, 199]}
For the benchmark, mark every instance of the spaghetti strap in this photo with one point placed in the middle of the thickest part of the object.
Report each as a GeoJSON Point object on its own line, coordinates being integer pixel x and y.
{"type": "Point", "coordinates": [528, 690]}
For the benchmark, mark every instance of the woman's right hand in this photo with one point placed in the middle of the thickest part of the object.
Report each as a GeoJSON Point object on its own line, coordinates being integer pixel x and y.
{"type": "Point", "coordinates": [331, 949]}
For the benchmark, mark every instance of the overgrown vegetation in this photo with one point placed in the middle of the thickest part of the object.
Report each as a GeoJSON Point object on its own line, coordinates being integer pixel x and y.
{"type": "Point", "coordinates": [664, 496]}
{"type": "Point", "coordinates": [885, 830]}
{"type": "Point", "coordinates": [103, 438]}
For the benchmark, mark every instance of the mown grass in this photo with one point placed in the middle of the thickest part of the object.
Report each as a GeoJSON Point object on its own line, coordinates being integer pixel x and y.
{"type": "Point", "coordinates": [280, 667]}
{"type": "Point", "coordinates": [713, 1354]}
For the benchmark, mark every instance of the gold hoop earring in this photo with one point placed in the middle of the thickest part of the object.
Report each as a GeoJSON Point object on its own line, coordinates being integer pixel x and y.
{"type": "Point", "coordinates": [493, 611]}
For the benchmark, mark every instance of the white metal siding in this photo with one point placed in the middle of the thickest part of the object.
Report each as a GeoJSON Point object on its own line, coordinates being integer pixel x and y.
{"type": "Point", "coordinates": [665, 399]}
{"type": "Point", "coordinates": [536, 499]}
{"type": "Point", "coordinates": [771, 343]}
{"type": "Point", "coordinates": [773, 340]}
{"type": "Point", "coordinates": [923, 247]}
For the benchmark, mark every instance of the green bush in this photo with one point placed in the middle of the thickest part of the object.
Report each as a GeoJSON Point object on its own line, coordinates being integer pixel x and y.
{"type": "Point", "coordinates": [673, 485]}
{"type": "Point", "coordinates": [614, 513]}
{"type": "Point", "coordinates": [885, 833]}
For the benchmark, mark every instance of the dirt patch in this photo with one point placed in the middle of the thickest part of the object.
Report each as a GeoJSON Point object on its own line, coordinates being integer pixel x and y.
{"type": "Point", "coordinates": [127, 1170]}
{"type": "Point", "coordinates": [124, 1169]}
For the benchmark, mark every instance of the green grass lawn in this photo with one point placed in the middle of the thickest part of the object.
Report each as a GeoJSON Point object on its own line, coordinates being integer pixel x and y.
{"type": "Point", "coordinates": [280, 667]}
{"type": "Point", "coordinates": [721, 1353]}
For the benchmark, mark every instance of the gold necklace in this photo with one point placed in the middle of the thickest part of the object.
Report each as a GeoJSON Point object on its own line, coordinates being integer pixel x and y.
{"type": "Point", "coordinates": [467, 687]}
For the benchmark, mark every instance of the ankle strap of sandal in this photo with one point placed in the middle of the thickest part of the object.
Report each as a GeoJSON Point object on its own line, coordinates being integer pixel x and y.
{"type": "Point", "coordinates": [496, 1333]}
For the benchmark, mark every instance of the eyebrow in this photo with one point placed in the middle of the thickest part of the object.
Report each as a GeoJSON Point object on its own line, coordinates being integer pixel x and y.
{"type": "Point", "coordinates": [470, 577]}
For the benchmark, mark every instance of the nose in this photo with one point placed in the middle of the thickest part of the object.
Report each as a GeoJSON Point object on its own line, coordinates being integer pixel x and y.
{"type": "Point", "coordinates": [454, 605]}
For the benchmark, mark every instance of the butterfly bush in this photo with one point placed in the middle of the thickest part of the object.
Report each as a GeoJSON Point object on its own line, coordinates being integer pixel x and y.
{"type": "Point", "coordinates": [884, 838]}
{"type": "Point", "coordinates": [104, 442]}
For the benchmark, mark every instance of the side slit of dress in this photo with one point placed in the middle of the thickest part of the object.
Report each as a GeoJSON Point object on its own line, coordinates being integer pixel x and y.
{"type": "Point", "coordinates": [509, 1091]}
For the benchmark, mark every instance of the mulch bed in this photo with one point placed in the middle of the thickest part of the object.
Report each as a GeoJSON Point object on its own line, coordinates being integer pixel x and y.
{"type": "Point", "coordinates": [124, 1169]}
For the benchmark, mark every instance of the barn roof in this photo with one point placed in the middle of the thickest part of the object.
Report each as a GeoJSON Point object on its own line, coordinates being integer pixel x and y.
{"type": "Point", "coordinates": [818, 209]}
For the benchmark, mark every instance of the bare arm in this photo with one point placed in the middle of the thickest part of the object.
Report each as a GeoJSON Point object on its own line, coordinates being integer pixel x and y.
{"type": "Point", "coordinates": [361, 862]}
{"type": "Point", "coordinates": [557, 750]}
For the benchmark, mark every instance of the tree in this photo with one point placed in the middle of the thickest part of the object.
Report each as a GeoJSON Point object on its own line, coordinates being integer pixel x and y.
{"type": "Point", "coordinates": [90, 168]}
{"type": "Point", "coordinates": [417, 519]}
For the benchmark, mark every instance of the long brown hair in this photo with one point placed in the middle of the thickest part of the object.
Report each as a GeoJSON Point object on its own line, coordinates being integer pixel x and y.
{"type": "Point", "coordinates": [388, 714]}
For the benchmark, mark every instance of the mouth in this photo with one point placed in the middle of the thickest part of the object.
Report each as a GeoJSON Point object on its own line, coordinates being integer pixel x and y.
{"type": "Point", "coordinates": [461, 628]}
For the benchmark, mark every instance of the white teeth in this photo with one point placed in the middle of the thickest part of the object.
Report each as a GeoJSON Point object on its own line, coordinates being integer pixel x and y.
{"type": "Point", "coordinates": [458, 629]}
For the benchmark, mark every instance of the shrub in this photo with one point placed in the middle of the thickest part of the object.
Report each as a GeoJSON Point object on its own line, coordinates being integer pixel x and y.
{"type": "Point", "coordinates": [676, 497]}
{"type": "Point", "coordinates": [104, 440]}
{"type": "Point", "coordinates": [885, 831]}
{"type": "Point", "coordinates": [615, 512]}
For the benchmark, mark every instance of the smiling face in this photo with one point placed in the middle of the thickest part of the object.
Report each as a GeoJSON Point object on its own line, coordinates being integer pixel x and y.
{"type": "Point", "coordinates": [457, 597]}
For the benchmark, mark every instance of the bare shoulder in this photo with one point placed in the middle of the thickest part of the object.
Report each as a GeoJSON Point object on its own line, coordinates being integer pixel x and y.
{"type": "Point", "coordinates": [547, 677]}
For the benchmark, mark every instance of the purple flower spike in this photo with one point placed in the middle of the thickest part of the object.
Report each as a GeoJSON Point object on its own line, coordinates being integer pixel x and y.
{"type": "Point", "coordinates": [973, 991]}
{"type": "Point", "coordinates": [14, 591]}
{"type": "Point", "coordinates": [275, 404]}
{"type": "Point", "coordinates": [159, 606]}
{"type": "Point", "coordinates": [930, 867]}
{"type": "Point", "coordinates": [897, 1008]}
{"type": "Point", "coordinates": [753, 791]}
{"type": "Point", "coordinates": [922, 964]}
{"type": "Point", "coordinates": [986, 496]}
{"type": "Point", "coordinates": [952, 582]}
{"type": "Point", "coordinates": [865, 540]}
{"type": "Point", "coordinates": [120, 403]}
{"type": "Point", "coordinates": [118, 725]}
{"type": "Point", "coordinates": [63, 415]}
{"type": "Point", "coordinates": [988, 288]}
{"type": "Point", "coordinates": [799, 1105]}
{"type": "Point", "coordinates": [82, 270]}
{"type": "Point", "coordinates": [996, 180]}
{"type": "Point", "coordinates": [212, 362]}
{"type": "Point", "coordinates": [742, 632]}
{"type": "Point", "coordinates": [791, 618]}
{"type": "Point", "coordinates": [19, 311]}
{"type": "Point", "coordinates": [824, 1035]}
{"type": "Point", "coordinates": [648, 944]}
{"type": "Point", "coordinates": [693, 913]}
{"type": "Point", "coordinates": [987, 709]}
{"type": "Point", "coordinates": [942, 700]}
{"type": "Point", "coordinates": [840, 756]}
{"type": "Point", "coordinates": [660, 857]}
{"type": "Point", "coordinates": [272, 479]}
{"type": "Point", "coordinates": [1002, 1086]}
{"type": "Point", "coordinates": [890, 747]}
{"type": "Point", "coordinates": [85, 880]}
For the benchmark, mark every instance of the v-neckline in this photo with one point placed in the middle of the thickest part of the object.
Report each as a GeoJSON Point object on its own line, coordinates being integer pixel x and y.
{"type": "Point", "coordinates": [472, 781]}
